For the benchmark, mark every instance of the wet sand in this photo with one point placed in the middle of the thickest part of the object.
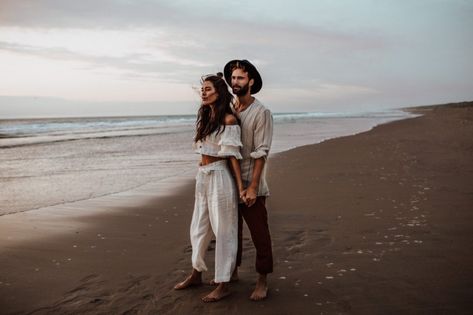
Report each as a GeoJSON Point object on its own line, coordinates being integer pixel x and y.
{"type": "Point", "coordinates": [376, 223]}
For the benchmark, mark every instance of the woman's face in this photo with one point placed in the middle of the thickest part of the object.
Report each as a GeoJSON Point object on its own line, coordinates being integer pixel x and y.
{"type": "Point", "coordinates": [208, 93]}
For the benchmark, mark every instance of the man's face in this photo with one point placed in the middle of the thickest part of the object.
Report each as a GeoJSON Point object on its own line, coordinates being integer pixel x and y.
{"type": "Point", "coordinates": [240, 82]}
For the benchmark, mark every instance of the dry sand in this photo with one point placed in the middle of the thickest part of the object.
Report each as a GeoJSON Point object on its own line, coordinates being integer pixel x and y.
{"type": "Point", "coordinates": [376, 223]}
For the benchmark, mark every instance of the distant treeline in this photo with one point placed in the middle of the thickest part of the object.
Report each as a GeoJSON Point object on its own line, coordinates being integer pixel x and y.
{"type": "Point", "coordinates": [457, 105]}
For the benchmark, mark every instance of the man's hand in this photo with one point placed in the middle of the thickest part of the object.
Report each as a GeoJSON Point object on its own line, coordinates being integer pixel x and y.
{"type": "Point", "coordinates": [250, 196]}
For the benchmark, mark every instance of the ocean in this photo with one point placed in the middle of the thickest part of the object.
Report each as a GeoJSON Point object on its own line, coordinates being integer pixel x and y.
{"type": "Point", "coordinates": [52, 161]}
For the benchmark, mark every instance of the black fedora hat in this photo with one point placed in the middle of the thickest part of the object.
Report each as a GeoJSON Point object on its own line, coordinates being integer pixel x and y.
{"type": "Point", "coordinates": [258, 82]}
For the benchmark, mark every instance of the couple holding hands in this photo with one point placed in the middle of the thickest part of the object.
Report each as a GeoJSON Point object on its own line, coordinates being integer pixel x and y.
{"type": "Point", "coordinates": [233, 139]}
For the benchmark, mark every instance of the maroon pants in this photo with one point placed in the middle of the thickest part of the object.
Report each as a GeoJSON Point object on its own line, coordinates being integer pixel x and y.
{"type": "Point", "coordinates": [256, 219]}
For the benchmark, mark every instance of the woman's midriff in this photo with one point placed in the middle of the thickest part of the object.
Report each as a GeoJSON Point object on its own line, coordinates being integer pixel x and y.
{"type": "Point", "coordinates": [207, 159]}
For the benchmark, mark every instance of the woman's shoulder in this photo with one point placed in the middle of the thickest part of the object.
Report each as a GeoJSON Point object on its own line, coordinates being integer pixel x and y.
{"type": "Point", "coordinates": [230, 119]}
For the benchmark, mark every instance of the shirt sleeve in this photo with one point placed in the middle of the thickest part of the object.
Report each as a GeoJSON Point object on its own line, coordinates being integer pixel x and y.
{"type": "Point", "coordinates": [230, 142]}
{"type": "Point", "coordinates": [263, 135]}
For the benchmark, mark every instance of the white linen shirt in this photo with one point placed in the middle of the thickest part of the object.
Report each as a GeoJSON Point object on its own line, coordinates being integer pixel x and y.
{"type": "Point", "coordinates": [256, 136]}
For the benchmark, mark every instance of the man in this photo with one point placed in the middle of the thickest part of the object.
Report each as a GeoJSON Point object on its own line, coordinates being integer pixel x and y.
{"type": "Point", "coordinates": [256, 134]}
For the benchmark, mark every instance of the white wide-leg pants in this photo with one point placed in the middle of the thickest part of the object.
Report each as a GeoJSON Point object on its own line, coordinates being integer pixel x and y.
{"type": "Point", "coordinates": [215, 210]}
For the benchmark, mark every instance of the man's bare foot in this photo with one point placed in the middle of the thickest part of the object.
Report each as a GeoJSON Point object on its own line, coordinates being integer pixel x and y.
{"type": "Point", "coordinates": [234, 278]}
{"type": "Point", "coordinates": [261, 289]}
{"type": "Point", "coordinates": [219, 293]}
{"type": "Point", "coordinates": [193, 280]}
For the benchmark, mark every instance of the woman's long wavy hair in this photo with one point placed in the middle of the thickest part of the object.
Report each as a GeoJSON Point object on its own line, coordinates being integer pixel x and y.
{"type": "Point", "coordinates": [212, 117]}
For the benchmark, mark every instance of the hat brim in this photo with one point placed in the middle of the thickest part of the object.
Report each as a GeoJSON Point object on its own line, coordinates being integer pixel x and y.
{"type": "Point", "coordinates": [258, 82]}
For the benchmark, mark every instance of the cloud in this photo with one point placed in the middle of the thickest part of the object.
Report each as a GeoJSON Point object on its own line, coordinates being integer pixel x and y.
{"type": "Point", "coordinates": [137, 61]}
{"type": "Point", "coordinates": [331, 52]}
{"type": "Point", "coordinates": [178, 52]}
{"type": "Point", "coordinates": [110, 14]}
{"type": "Point", "coordinates": [324, 92]}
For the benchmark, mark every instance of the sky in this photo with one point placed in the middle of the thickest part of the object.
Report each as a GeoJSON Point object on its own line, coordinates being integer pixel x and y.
{"type": "Point", "coordinates": [146, 57]}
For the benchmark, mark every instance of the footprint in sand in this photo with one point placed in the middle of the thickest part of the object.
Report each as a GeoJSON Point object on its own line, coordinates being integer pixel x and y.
{"type": "Point", "coordinates": [188, 249]}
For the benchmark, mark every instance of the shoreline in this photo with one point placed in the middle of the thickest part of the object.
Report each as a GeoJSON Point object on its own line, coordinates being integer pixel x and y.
{"type": "Point", "coordinates": [331, 253]}
{"type": "Point", "coordinates": [342, 129]}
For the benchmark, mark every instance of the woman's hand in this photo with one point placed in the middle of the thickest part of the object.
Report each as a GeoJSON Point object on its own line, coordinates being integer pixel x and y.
{"type": "Point", "coordinates": [242, 195]}
{"type": "Point", "coordinates": [250, 196]}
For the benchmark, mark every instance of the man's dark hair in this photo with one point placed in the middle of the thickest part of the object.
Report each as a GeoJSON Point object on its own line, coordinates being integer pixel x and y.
{"type": "Point", "coordinates": [238, 65]}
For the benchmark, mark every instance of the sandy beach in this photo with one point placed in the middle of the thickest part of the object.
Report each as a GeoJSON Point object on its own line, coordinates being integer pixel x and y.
{"type": "Point", "coordinates": [375, 223]}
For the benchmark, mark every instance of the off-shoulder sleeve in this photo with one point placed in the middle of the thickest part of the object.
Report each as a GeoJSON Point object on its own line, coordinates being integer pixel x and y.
{"type": "Point", "coordinates": [263, 135]}
{"type": "Point", "coordinates": [230, 142]}
{"type": "Point", "coordinates": [197, 146]}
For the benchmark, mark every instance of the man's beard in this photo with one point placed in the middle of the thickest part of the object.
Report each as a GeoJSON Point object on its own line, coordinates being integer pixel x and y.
{"type": "Point", "coordinates": [242, 91]}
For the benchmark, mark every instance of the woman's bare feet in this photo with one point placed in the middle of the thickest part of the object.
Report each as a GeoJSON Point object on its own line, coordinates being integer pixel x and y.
{"type": "Point", "coordinates": [261, 289]}
{"type": "Point", "coordinates": [234, 277]}
{"type": "Point", "coordinates": [219, 293]}
{"type": "Point", "coordinates": [194, 279]}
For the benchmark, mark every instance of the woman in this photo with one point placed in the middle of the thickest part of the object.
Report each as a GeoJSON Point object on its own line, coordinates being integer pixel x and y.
{"type": "Point", "coordinates": [218, 141]}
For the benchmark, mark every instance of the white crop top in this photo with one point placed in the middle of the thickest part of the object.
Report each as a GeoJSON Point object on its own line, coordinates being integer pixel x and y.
{"type": "Point", "coordinates": [223, 144]}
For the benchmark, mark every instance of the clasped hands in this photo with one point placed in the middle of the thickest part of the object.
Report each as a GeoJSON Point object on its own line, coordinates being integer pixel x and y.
{"type": "Point", "coordinates": [248, 196]}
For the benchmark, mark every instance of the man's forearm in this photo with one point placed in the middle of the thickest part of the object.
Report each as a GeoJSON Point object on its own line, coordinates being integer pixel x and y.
{"type": "Point", "coordinates": [257, 171]}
